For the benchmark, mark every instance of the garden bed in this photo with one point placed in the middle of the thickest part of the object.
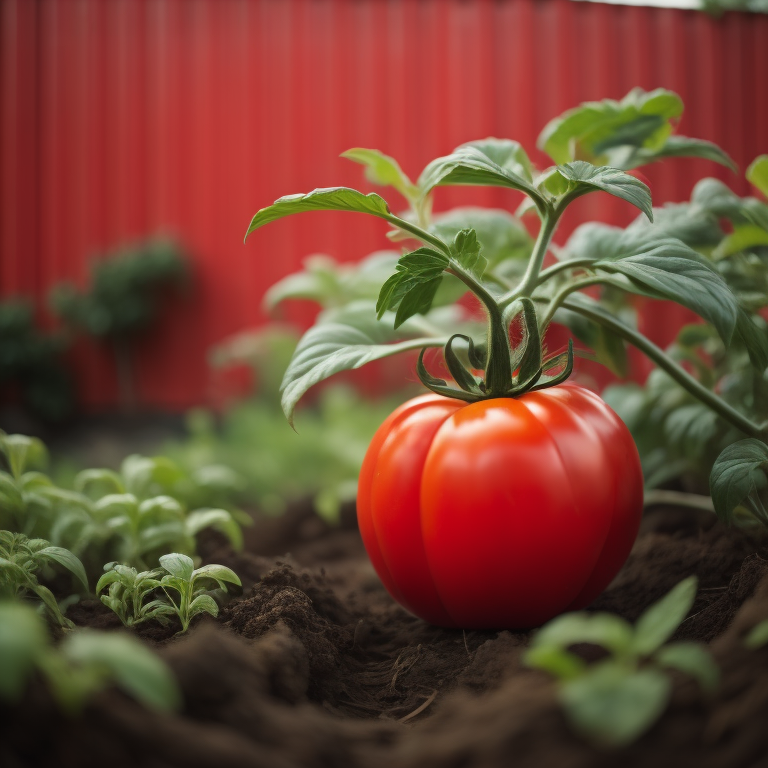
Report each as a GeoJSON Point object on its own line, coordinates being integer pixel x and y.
{"type": "Point", "coordinates": [317, 666]}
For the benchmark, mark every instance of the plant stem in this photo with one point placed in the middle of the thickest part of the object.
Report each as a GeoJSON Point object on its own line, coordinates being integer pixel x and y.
{"type": "Point", "coordinates": [498, 367]}
{"type": "Point", "coordinates": [678, 499]}
{"type": "Point", "coordinates": [530, 279]}
{"type": "Point", "coordinates": [418, 233]}
{"type": "Point", "coordinates": [680, 375]}
{"type": "Point", "coordinates": [563, 295]}
{"type": "Point", "coordinates": [562, 266]}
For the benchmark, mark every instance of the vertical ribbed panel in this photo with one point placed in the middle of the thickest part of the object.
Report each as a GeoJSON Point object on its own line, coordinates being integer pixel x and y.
{"type": "Point", "coordinates": [127, 118]}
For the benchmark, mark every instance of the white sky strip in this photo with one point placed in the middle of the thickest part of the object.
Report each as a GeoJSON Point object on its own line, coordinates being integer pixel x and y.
{"type": "Point", "coordinates": [695, 4]}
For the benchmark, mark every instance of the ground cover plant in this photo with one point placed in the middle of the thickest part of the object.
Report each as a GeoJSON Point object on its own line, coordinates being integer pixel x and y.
{"type": "Point", "coordinates": [316, 665]}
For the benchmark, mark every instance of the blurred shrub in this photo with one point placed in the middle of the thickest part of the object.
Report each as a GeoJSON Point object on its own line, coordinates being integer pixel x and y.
{"type": "Point", "coordinates": [30, 363]}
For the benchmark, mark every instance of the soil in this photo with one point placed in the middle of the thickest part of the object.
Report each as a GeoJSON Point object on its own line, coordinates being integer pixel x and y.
{"type": "Point", "coordinates": [317, 667]}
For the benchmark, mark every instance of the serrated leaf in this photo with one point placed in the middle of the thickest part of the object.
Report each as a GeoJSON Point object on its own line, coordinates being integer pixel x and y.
{"type": "Point", "coordinates": [467, 251]}
{"type": "Point", "coordinates": [343, 340]}
{"type": "Point", "coordinates": [178, 565]}
{"type": "Point", "coordinates": [659, 622]}
{"type": "Point", "coordinates": [738, 472]}
{"type": "Point", "coordinates": [593, 129]}
{"type": "Point", "coordinates": [469, 165]}
{"type": "Point", "coordinates": [757, 173]}
{"type": "Point", "coordinates": [610, 180]}
{"type": "Point", "coordinates": [383, 169]}
{"type": "Point", "coordinates": [692, 659]}
{"type": "Point", "coordinates": [326, 199]}
{"type": "Point", "coordinates": [135, 668]}
{"type": "Point", "coordinates": [671, 270]}
{"type": "Point", "coordinates": [507, 154]}
{"type": "Point", "coordinates": [67, 560]}
{"type": "Point", "coordinates": [604, 629]}
{"type": "Point", "coordinates": [613, 707]}
{"type": "Point", "coordinates": [680, 146]}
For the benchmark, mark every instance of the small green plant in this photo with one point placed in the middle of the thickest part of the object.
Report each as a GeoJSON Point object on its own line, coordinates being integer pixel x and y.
{"type": "Point", "coordinates": [84, 663]}
{"type": "Point", "coordinates": [614, 701]}
{"type": "Point", "coordinates": [123, 300]}
{"type": "Point", "coordinates": [21, 559]}
{"type": "Point", "coordinates": [135, 515]}
{"type": "Point", "coordinates": [30, 363]}
{"type": "Point", "coordinates": [134, 596]}
{"type": "Point", "coordinates": [193, 587]}
{"type": "Point", "coordinates": [757, 637]}
{"type": "Point", "coordinates": [129, 593]}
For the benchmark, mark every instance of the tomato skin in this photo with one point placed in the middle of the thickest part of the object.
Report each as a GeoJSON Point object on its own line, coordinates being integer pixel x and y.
{"type": "Point", "coordinates": [503, 513]}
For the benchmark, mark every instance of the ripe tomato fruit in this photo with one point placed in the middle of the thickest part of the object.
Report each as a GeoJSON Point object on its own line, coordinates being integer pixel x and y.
{"type": "Point", "coordinates": [501, 513]}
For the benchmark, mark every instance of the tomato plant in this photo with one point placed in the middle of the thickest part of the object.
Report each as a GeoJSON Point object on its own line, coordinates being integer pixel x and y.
{"type": "Point", "coordinates": [519, 497]}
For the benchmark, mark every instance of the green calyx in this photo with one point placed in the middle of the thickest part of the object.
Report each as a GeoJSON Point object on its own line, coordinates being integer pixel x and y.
{"type": "Point", "coordinates": [508, 372]}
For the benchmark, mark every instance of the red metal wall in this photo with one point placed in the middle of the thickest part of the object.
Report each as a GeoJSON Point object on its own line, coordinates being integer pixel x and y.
{"type": "Point", "coordinates": [123, 118]}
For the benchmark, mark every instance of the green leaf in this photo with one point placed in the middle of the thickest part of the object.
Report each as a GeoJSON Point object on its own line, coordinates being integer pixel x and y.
{"type": "Point", "coordinates": [161, 507]}
{"type": "Point", "coordinates": [384, 170]}
{"type": "Point", "coordinates": [507, 154]}
{"type": "Point", "coordinates": [98, 482]}
{"type": "Point", "coordinates": [51, 605]}
{"type": "Point", "coordinates": [680, 146]}
{"type": "Point", "coordinates": [10, 497]}
{"type": "Point", "coordinates": [466, 250]}
{"type": "Point", "coordinates": [412, 288]}
{"type": "Point", "coordinates": [617, 183]}
{"type": "Point", "coordinates": [502, 235]}
{"type": "Point", "coordinates": [328, 199]}
{"type": "Point", "coordinates": [669, 269]}
{"type": "Point", "coordinates": [220, 573]}
{"type": "Point", "coordinates": [757, 173]}
{"type": "Point", "coordinates": [743, 238]}
{"type": "Point", "coordinates": [220, 519]}
{"type": "Point", "coordinates": [23, 639]}
{"type": "Point", "coordinates": [739, 472]}
{"type": "Point", "coordinates": [593, 129]}
{"type": "Point", "coordinates": [21, 450]}
{"type": "Point", "coordinates": [756, 638]}
{"type": "Point", "coordinates": [116, 505]}
{"type": "Point", "coordinates": [659, 622]}
{"type": "Point", "coordinates": [610, 350]}
{"type": "Point", "coordinates": [67, 560]}
{"type": "Point", "coordinates": [345, 339]}
{"type": "Point", "coordinates": [556, 661]}
{"type": "Point", "coordinates": [470, 165]}
{"type": "Point", "coordinates": [611, 706]}
{"type": "Point", "coordinates": [692, 659]}
{"type": "Point", "coordinates": [178, 565]}
{"type": "Point", "coordinates": [135, 668]}
{"type": "Point", "coordinates": [604, 629]}
{"type": "Point", "coordinates": [203, 604]}
{"type": "Point", "coordinates": [110, 577]}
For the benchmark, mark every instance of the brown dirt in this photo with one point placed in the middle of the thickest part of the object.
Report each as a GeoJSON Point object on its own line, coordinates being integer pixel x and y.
{"type": "Point", "coordinates": [317, 667]}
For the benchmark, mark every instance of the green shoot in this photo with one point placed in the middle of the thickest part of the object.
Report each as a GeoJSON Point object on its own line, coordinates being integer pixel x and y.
{"type": "Point", "coordinates": [21, 559]}
{"type": "Point", "coordinates": [616, 700]}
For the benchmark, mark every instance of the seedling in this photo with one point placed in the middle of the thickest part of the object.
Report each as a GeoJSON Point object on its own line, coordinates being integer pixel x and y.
{"type": "Point", "coordinates": [83, 664]}
{"type": "Point", "coordinates": [129, 592]}
{"type": "Point", "coordinates": [186, 592]}
{"type": "Point", "coordinates": [20, 561]}
{"type": "Point", "coordinates": [614, 701]}
{"type": "Point", "coordinates": [192, 587]}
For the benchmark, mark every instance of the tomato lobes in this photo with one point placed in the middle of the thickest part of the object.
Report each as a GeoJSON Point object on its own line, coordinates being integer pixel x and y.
{"type": "Point", "coordinates": [501, 513]}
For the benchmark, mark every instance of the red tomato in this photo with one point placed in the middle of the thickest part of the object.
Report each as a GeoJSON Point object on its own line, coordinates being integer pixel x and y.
{"type": "Point", "coordinates": [501, 513]}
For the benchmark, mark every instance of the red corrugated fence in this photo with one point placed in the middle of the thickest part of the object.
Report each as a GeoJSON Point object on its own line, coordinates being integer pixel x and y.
{"type": "Point", "coordinates": [124, 118]}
